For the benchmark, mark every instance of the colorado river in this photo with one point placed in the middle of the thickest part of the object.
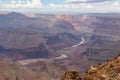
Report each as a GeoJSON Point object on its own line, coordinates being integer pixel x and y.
{"type": "Point", "coordinates": [81, 42]}
{"type": "Point", "coordinates": [64, 55]}
{"type": "Point", "coordinates": [61, 57]}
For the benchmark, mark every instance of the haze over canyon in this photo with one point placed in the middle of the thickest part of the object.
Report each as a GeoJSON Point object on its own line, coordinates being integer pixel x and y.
{"type": "Point", "coordinates": [44, 46]}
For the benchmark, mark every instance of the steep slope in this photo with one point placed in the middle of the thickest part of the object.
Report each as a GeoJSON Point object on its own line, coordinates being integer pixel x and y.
{"type": "Point", "coordinates": [20, 39]}
{"type": "Point", "coordinates": [106, 71]}
{"type": "Point", "coordinates": [42, 51]}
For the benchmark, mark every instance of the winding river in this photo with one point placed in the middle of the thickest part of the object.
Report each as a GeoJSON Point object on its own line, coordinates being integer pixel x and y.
{"type": "Point", "coordinates": [63, 55]}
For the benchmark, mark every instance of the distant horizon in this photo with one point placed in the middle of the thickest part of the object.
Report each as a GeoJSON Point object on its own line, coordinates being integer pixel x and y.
{"type": "Point", "coordinates": [63, 6]}
{"type": "Point", "coordinates": [60, 12]}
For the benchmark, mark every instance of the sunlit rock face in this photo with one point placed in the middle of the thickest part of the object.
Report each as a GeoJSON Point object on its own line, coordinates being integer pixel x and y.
{"type": "Point", "coordinates": [71, 75]}
{"type": "Point", "coordinates": [106, 71]}
{"type": "Point", "coordinates": [109, 70]}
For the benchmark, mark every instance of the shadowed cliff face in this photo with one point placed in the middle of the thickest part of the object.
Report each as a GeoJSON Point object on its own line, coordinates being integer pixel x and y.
{"type": "Point", "coordinates": [62, 40]}
{"type": "Point", "coordinates": [31, 53]}
{"type": "Point", "coordinates": [46, 48]}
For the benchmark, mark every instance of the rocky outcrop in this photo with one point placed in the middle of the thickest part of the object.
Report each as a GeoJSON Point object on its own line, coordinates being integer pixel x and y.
{"type": "Point", "coordinates": [71, 75]}
{"type": "Point", "coordinates": [107, 71]}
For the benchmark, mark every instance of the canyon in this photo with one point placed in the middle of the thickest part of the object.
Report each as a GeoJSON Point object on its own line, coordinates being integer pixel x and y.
{"type": "Point", "coordinates": [50, 44]}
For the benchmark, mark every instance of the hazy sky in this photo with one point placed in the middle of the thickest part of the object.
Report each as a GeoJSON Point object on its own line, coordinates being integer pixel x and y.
{"type": "Point", "coordinates": [61, 5]}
